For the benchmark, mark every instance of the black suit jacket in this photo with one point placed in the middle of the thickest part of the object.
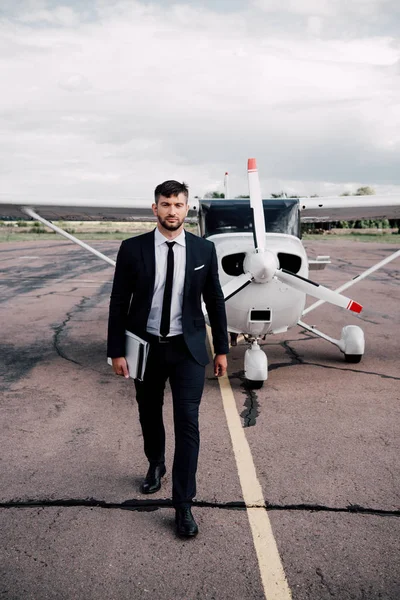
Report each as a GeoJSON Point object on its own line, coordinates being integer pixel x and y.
{"type": "Point", "coordinates": [132, 295]}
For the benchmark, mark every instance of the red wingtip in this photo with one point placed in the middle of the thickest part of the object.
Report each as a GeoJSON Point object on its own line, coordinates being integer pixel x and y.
{"type": "Point", "coordinates": [252, 164]}
{"type": "Point", "coordinates": [355, 307]}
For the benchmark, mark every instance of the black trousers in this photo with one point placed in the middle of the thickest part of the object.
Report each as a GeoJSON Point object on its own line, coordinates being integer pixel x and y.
{"type": "Point", "coordinates": [172, 361]}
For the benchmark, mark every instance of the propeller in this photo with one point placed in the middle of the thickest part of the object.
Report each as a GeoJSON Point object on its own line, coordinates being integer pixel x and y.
{"type": "Point", "coordinates": [262, 265]}
{"type": "Point", "coordinates": [256, 205]}
{"type": "Point", "coordinates": [237, 284]}
{"type": "Point", "coordinates": [318, 291]}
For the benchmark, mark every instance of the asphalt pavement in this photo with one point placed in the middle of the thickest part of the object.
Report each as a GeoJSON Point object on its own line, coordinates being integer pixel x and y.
{"type": "Point", "coordinates": [323, 436]}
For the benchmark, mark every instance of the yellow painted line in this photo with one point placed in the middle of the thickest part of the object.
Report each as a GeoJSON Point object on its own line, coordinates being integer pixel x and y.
{"type": "Point", "coordinates": [271, 570]}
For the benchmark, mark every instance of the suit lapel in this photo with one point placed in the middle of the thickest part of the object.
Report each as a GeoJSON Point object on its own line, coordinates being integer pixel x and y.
{"type": "Point", "coordinates": [190, 262]}
{"type": "Point", "coordinates": [149, 257]}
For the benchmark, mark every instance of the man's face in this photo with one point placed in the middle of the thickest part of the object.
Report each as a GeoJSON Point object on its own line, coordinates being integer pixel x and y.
{"type": "Point", "coordinates": [171, 212]}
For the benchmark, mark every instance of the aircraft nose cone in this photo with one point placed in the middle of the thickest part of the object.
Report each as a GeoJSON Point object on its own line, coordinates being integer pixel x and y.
{"type": "Point", "coordinates": [262, 265]}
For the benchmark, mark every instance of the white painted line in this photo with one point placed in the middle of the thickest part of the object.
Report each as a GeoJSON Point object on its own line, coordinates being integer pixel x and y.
{"type": "Point", "coordinates": [28, 257]}
{"type": "Point", "coordinates": [271, 570]}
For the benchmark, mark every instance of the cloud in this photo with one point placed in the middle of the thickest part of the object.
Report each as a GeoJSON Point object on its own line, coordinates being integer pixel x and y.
{"type": "Point", "coordinates": [74, 82]}
{"type": "Point", "coordinates": [339, 9]}
{"type": "Point", "coordinates": [110, 99]}
{"type": "Point", "coordinates": [63, 16]}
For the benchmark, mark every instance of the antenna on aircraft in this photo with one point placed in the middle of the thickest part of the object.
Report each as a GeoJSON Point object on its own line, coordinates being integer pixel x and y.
{"type": "Point", "coordinates": [226, 184]}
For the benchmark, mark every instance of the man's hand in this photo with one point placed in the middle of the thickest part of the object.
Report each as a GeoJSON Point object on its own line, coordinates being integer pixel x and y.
{"type": "Point", "coordinates": [220, 365]}
{"type": "Point", "coordinates": [120, 367]}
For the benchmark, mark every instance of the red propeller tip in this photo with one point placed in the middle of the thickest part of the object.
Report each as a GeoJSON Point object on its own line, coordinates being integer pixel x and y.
{"type": "Point", "coordinates": [354, 306]}
{"type": "Point", "coordinates": [252, 164]}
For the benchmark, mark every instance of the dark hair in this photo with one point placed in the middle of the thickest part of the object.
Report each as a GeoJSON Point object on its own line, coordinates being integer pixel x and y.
{"type": "Point", "coordinates": [170, 188]}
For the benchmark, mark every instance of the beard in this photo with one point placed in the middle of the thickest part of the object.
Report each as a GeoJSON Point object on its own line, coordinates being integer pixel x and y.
{"type": "Point", "coordinates": [170, 226]}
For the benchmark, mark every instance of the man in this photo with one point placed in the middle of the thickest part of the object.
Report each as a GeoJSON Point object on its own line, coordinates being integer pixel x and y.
{"type": "Point", "coordinates": [160, 279]}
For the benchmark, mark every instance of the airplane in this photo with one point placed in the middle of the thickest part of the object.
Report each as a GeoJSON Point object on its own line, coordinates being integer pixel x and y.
{"type": "Point", "coordinates": [263, 265]}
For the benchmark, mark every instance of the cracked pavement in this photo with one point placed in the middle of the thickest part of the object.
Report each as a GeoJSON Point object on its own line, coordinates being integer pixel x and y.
{"type": "Point", "coordinates": [324, 437]}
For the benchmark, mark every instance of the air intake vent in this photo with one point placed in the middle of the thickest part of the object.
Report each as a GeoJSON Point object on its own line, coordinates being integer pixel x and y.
{"type": "Point", "coordinates": [289, 262]}
{"type": "Point", "coordinates": [260, 316]}
{"type": "Point", "coordinates": [232, 264]}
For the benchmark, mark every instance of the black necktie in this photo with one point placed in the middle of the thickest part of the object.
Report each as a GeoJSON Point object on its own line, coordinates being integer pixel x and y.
{"type": "Point", "coordinates": [166, 307]}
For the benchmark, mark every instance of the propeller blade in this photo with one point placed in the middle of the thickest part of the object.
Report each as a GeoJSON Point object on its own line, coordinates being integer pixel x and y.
{"type": "Point", "coordinates": [318, 291]}
{"type": "Point", "coordinates": [256, 204]}
{"type": "Point", "coordinates": [234, 286]}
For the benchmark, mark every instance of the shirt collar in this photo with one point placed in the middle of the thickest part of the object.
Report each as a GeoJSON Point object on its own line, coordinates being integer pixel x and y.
{"type": "Point", "coordinates": [159, 238]}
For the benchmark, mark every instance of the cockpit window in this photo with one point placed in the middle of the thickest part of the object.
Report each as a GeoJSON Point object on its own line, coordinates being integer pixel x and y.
{"type": "Point", "coordinates": [235, 216]}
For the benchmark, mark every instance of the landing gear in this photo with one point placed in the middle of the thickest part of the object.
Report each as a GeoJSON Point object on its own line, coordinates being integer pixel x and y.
{"type": "Point", "coordinates": [234, 337]}
{"type": "Point", "coordinates": [351, 343]}
{"type": "Point", "coordinates": [353, 358]}
{"type": "Point", "coordinates": [255, 366]}
{"type": "Point", "coordinates": [253, 385]}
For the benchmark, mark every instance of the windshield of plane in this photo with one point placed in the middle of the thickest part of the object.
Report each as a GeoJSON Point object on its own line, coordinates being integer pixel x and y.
{"type": "Point", "coordinates": [235, 216]}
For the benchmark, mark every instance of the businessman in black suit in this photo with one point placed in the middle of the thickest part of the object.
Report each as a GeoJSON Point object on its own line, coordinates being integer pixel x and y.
{"type": "Point", "coordinates": [160, 280]}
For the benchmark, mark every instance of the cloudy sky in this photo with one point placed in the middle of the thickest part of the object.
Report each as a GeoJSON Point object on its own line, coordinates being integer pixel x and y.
{"type": "Point", "coordinates": [107, 98]}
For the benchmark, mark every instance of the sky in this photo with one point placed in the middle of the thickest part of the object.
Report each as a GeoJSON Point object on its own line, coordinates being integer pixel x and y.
{"type": "Point", "coordinates": [108, 98]}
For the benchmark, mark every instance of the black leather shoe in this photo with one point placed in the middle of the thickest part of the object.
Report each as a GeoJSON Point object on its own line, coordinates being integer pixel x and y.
{"type": "Point", "coordinates": [186, 526]}
{"type": "Point", "coordinates": [152, 482]}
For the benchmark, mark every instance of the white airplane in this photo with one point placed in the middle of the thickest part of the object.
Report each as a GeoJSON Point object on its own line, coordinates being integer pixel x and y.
{"type": "Point", "coordinates": [263, 266]}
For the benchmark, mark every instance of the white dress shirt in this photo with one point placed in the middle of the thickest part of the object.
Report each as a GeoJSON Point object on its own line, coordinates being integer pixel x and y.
{"type": "Point", "coordinates": [161, 252]}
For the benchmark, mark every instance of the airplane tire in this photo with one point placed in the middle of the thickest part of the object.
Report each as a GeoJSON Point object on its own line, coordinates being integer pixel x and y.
{"type": "Point", "coordinates": [254, 385]}
{"type": "Point", "coordinates": [353, 358]}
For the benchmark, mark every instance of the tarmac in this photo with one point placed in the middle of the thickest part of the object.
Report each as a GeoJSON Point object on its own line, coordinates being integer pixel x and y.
{"type": "Point", "coordinates": [322, 435]}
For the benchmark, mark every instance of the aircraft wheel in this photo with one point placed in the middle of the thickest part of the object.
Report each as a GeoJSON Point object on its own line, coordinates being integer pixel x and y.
{"type": "Point", "coordinates": [253, 385]}
{"type": "Point", "coordinates": [353, 358]}
{"type": "Point", "coordinates": [352, 343]}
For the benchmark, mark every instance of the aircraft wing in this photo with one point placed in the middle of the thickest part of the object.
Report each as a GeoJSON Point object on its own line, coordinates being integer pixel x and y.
{"type": "Point", "coordinates": [88, 209]}
{"type": "Point", "coordinates": [340, 208]}
{"type": "Point", "coordinates": [349, 208]}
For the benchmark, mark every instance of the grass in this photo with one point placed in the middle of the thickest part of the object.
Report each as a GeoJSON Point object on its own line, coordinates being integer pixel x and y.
{"type": "Point", "coordinates": [384, 238]}
{"type": "Point", "coordinates": [29, 231]}
{"type": "Point", "coordinates": [34, 237]}
{"type": "Point", "coordinates": [85, 231]}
